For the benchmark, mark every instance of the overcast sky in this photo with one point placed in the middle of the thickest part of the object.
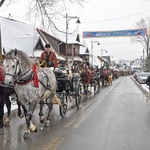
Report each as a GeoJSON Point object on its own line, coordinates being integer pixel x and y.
{"type": "Point", "coordinates": [102, 15]}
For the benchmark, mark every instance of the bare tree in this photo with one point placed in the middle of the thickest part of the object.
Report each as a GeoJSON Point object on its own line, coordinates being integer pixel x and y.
{"type": "Point", "coordinates": [2, 2]}
{"type": "Point", "coordinates": [46, 11]}
{"type": "Point", "coordinates": [144, 40]}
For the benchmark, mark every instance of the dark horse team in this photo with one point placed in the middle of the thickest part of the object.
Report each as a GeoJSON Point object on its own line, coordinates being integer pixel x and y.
{"type": "Point", "coordinates": [4, 98]}
{"type": "Point", "coordinates": [5, 93]}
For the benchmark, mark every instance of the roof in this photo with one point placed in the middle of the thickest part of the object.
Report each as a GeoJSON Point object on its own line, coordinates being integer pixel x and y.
{"type": "Point", "coordinates": [101, 59]}
{"type": "Point", "coordinates": [84, 50]}
{"type": "Point", "coordinates": [37, 53]}
{"type": "Point", "coordinates": [76, 58]}
{"type": "Point", "coordinates": [60, 37]}
{"type": "Point", "coordinates": [15, 34]}
{"type": "Point", "coordinates": [59, 57]}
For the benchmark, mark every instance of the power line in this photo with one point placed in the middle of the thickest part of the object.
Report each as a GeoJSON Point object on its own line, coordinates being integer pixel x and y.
{"type": "Point", "coordinates": [117, 18]}
{"type": "Point", "coordinates": [116, 43]}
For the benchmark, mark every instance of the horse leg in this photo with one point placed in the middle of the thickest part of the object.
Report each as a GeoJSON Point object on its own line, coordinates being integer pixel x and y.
{"type": "Point", "coordinates": [42, 119]}
{"type": "Point", "coordinates": [20, 114]}
{"type": "Point", "coordinates": [103, 81]}
{"type": "Point", "coordinates": [50, 107]}
{"type": "Point", "coordinates": [85, 88]}
{"type": "Point", "coordinates": [30, 126]}
{"type": "Point", "coordinates": [1, 114]}
{"type": "Point", "coordinates": [8, 105]}
{"type": "Point", "coordinates": [91, 85]}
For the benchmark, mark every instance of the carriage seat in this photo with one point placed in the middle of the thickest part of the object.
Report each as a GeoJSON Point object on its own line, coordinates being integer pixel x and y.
{"type": "Point", "coordinates": [60, 75]}
{"type": "Point", "coordinates": [62, 81]}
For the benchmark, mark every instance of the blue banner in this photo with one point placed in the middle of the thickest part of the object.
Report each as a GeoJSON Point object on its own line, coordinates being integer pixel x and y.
{"type": "Point", "coordinates": [123, 33]}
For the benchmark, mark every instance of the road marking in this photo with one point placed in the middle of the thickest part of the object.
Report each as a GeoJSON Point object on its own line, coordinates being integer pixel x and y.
{"type": "Point", "coordinates": [90, 108]}
{"type": "Point", "coordinates": [70, 123]}
{"type": "Point", "coordinates": [54, 143]}
{"type": "Point", "coordinates": [82, 117]}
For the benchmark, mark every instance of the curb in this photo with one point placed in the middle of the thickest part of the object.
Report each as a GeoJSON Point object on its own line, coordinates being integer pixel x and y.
{"type": "Point", "coordinates": [143, 87]}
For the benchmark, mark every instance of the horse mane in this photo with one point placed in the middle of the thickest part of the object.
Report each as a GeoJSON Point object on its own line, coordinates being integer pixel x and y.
{"type": "Point", "coordinates": [25, 61]}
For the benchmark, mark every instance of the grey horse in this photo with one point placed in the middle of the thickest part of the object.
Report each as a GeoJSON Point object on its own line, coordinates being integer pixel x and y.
{"type": "Point", "coordinates": [33, 85]}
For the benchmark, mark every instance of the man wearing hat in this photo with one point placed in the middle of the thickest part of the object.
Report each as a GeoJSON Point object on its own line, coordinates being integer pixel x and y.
{"type": "Point", "coordinates": [49, 56]}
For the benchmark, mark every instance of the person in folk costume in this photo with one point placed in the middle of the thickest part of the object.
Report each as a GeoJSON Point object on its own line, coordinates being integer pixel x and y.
{"type": "Point", "coordinates": [86, 68]}
{"type": "Point", "coordinates": [105, 71]}
{"type": "Point", "coordinates": [75, 68]}
{"type": "Point", "coordinates": [92, 74]}
{"type": "Point", "coordinates": [49, 56]}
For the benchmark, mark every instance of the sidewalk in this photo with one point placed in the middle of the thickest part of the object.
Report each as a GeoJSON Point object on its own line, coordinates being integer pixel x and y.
{"type": "Point", "coordinates": [143, 86]}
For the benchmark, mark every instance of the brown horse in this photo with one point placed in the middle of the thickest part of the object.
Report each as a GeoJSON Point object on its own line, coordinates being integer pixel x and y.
{"type": "Point", "coordinates": [87, 78]}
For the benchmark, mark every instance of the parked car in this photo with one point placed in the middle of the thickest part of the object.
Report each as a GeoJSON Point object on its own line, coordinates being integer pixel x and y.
{"type": "Point", "coordinates": [141, 78]}
{"type": "Point", "coordinates": [136, 74]}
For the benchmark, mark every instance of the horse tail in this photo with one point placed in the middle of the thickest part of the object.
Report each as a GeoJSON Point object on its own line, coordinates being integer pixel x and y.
{"type": "Point", "coordinates": [110, 79]}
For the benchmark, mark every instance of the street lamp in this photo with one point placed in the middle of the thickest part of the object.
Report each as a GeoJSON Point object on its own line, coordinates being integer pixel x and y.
{"type": "Point", "coordinates": [92, 42]}
{"type": "Point", "coordinates": [68, 18]}
{"type": "Point", "coordinates": [102, 50]}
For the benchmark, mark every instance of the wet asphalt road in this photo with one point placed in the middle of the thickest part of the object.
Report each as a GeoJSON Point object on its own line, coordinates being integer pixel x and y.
{"type": "Point", "coordinates": [116, 118]}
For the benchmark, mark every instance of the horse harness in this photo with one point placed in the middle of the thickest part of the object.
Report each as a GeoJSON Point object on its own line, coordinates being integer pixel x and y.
{"type": "Point", "coordinates": [31, 77]}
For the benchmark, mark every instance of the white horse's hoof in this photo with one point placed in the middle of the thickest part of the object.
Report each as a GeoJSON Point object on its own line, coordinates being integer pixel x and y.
{"type": "Point", "coordinates": [47, 123]}
{"type": "Point", "coordinates": [32, 128]}
{"type": "Point", "coordinates": [26, 135]}
{"type": "Point", "coordinates": [36, 130]}
{"type": "Point", "coordinates": [21, 116]}
{"type": "Point", "coordinates": [42, 119]}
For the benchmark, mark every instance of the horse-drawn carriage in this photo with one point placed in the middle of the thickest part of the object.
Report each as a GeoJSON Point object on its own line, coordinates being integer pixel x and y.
{"type": "Point", "coordinates": [36, 85]}
{"type": "Point", "coordinates": [68, 87]}
{"type": "Point", "coordinates": [106, 76]}
{"type": "Point", "coordinates": [90, 77]}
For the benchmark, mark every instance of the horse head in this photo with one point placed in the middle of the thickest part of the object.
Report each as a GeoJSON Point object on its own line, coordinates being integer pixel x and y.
{"type": "Point", "coordinates": [13, 67]}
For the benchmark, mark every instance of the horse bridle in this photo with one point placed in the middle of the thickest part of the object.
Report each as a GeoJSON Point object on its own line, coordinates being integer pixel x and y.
{"type": "Point", "coordinates": [15, 76]}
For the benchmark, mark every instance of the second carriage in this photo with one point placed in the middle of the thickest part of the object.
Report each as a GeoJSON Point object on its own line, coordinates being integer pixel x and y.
{"type": "Point", "coordinates": [67, 89]}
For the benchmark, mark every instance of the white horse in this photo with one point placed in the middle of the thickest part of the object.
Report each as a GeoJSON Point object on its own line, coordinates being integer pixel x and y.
{"type": "Point", "coordinates": [32, 84]}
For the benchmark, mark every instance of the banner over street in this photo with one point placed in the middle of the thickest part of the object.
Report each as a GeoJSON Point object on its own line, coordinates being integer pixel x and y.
{"type": "Point", "coordinates": [123, 33]}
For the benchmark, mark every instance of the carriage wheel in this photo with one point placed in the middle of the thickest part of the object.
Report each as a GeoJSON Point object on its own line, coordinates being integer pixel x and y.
{"type": "Point", "coordinates": [95, 83]}
{"type": "Point", "coordinates": [78, 101]}
{"type": "Point", "coordinates": [63, 106]}
{"type": "Point", "coordinates": [63, 109]}
{"type": "Point", "coordinates": [78, 97]}
{"type": "Point", "coordinates": [103, 82]}
{"type": "Point", "coordinates": [98, 83]}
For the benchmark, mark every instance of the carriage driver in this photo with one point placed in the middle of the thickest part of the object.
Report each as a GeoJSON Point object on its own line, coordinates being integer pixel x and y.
{"type": "Point", "coordinates": [49, 56]}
